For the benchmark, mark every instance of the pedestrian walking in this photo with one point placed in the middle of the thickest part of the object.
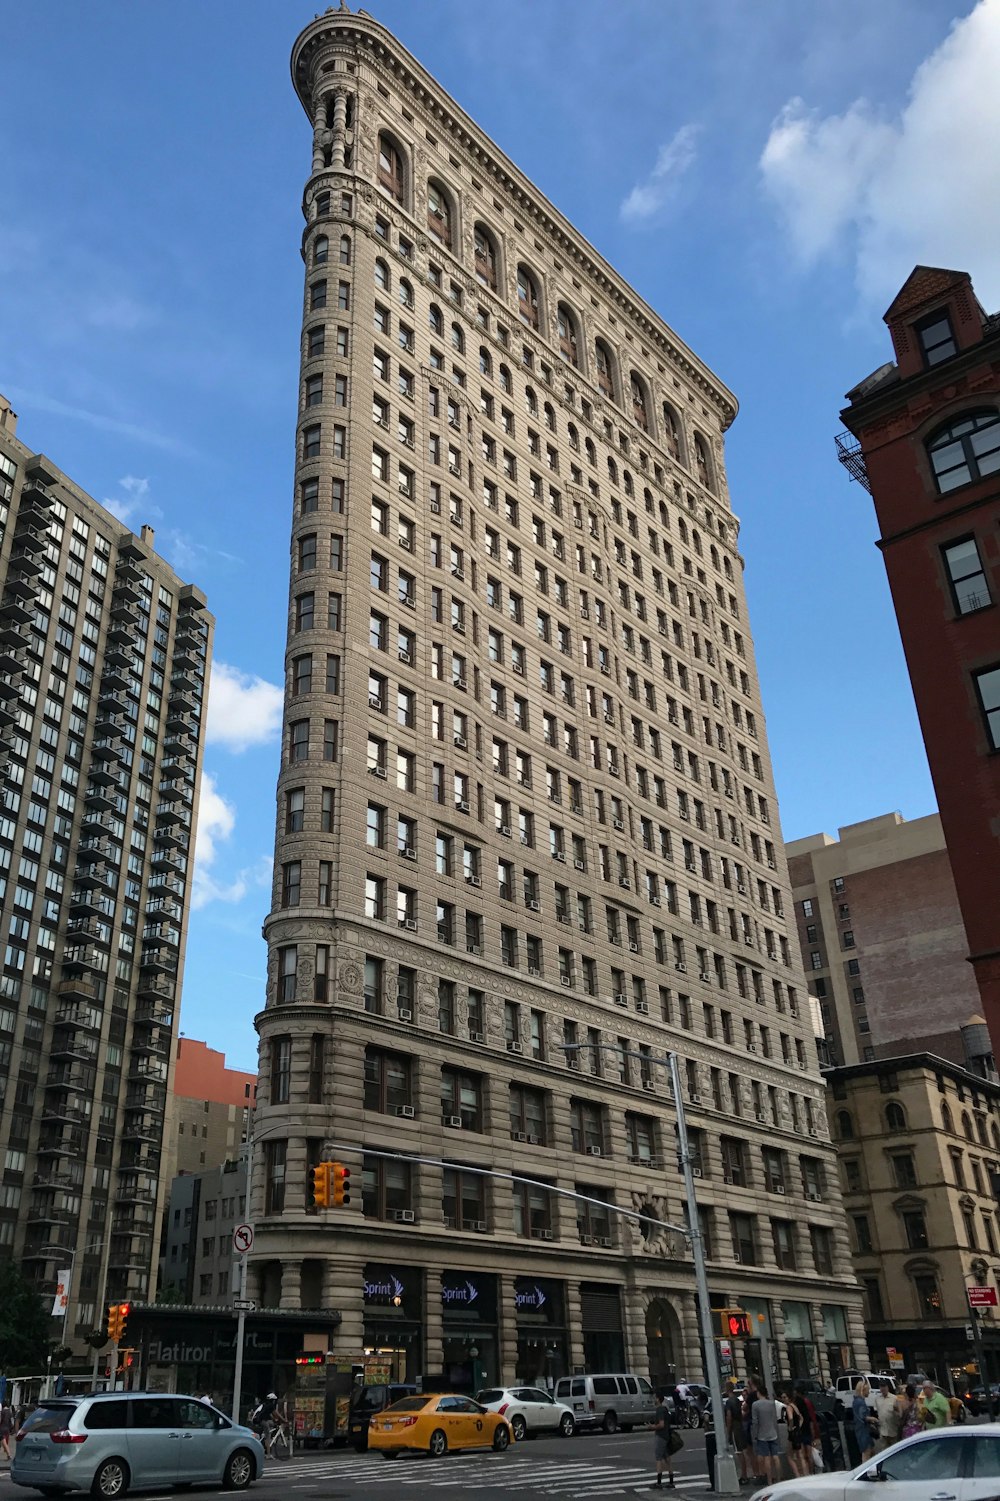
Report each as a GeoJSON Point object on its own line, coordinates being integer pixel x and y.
{"type": "Point", "coordinates": [887, 1412]}
{"type": "Point", "coordinates": [6, 1428]}
{"type": "Point", "coordinates": [909, 1413]}
{"type": "Point", "coordinates": [935, 1410]}
{"type": "Point", "coordinates": [764, 1432]}
{"type": "Point", "coordinates": [797, 1439]}
{"type": "Point", "coordinates": [863, 1419]}
{"type": "Point", "coordinates": [814, 1437]}
{"type": "Point", "coordinates": [736, 1431]}
{"type": "Point", "coordinates": [662, 1440]}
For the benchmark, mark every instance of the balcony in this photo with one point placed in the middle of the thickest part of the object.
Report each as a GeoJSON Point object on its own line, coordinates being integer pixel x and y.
{"type": "Point", "coordinates": [25, 563]}
{"type": "Point", "coordinates": [64, 1077]}
{"type": "Point", "coordinates": [69, 1045]}
{"type": "Point", "coordinates": [164, 859]}
{"type": "Point", "coordinates": [13, 610]}
{"type": "Point", "coordinates": [29, 535]}
{"type": "Point", "coordinates": [81, 960]}
{"type": "Point", "coordinates": [61, 1112]}
{"type": "Point", "coordinates": [155, 961]}
{"type": "Point", "coordinates": [143, 1070]}
{"type": "Point", "coordinates": [75, 991]}
{"type": "Point", "coordinates": [113, 680]}
{"type": "Point", "coordinates": [69, 1144]}
{"type": "Point", "coordinates": [139, 1126]}
{"type": "Point", "coordinates": [123, 606]}
{"type": "Point", "coordinates": [85, 928]}
{"type": "Point", "coordinates": [158, 997]}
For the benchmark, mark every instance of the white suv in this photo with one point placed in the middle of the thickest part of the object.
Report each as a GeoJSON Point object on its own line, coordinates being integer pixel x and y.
{"type": "Point", "coordinates": [528, 1410]}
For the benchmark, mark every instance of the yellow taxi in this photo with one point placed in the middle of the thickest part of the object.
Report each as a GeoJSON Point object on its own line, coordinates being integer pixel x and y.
{"type": "Point", "coordinates": [435, 1424]}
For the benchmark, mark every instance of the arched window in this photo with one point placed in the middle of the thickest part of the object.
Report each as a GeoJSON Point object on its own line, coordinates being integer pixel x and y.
{"type": "Point", "coordinates": [321, 250]}
{"type": "Point", "coordinates": [486, 258]}
{"type": "Point", "coordinates": [439, 214]}
{"type": "Point", "coordinates": [671, 431]}
{"type": "Point", "coordinates": [485, 362]}
{"type": "Point", "coordinates": [382, 275]}
{"type": "Point", "coordinates": [591, 450]}
{"type": "Point", "coordinates": [981, 1130]}
{"type": "Point", "coordinates": [966, 1126]}
{"type": "Point", "coordinates": [627, 482]}
{"type": "Point", "coordinates": [612, 471]}
{"type": "Point", "coordinates": [713, 553]}
{"type": "Point", "coordinates": [701, 461]}
{"type": "Point", "coordinates": [345, 250]}
{"type": "Point", "coordinates": [569, 346]}
{"type": "Point", "coordinates": [640, 411]}
{"type": "Point", "coordinates": [895, 1116]}
{"type": "Point", "coordinates": [527, 297]}
{"type": "Point", "coordinates": [605, 369]}
{"type": "Point", "coordinates": [845, 1126]}
{"type": "Point", "coordinates": [995, 1134]}
{"type": "Point", "coordinates": [405, 292]}
{"type": "Point", "coordinates": [946, 1121]}
{"type": "Point", "coordinates": [457, 338]}
{"type": "Point", "coordinates": [391, 168]}
{"type": "Point", "coordinates": [966, 450]}
{"type": "Point", "coordinates": [550, 417]}
{"type": "Point", "coordinates": [505, 380]}
{"type": "Point", "coordinates": [435, 319]}
{"type": "Point", "coordinates": [531, 401]}
{"type": "Point", "coordinates": [573, 436]}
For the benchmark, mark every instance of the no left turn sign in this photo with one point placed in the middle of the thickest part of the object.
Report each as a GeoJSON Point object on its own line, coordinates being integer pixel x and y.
{"type": "Point", "coordinates": [242, 1239]}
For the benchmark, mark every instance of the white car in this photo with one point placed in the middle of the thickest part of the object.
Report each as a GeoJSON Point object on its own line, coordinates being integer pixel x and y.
{"type": "Point", "coordinates": [954, 1464]}
{"type": "Point", "coordinates": [528, 1410]}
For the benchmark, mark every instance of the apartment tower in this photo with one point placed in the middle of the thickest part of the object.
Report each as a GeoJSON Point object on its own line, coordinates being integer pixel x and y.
{"type": "Point", "coordinates": [527, 835]}
{"type": "Point", "coordinates": [104, 656]}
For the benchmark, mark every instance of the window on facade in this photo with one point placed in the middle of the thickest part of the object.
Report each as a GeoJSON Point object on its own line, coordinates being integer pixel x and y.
{"type": "Point", "coordinates": [822, 1249]}
{"type": "Point", "coordinates": [988, 689]}
{"type": "Point", "coordinates": [741, 1227]}
{"type": "Point", "coordinates": [486, 258]}
{"type": "Point", "coordinates": [439, 216]}
{"type": "Point", "coordinates": [928, 1296]}
{"type": "Point", "coordinates": [915, 1229]}
{"type": "Point", "coordinates": [640, 413]}
{"type": "Point", "coordinates": [967, 449]}
{"type": "Point", "coordinates": [462, 1098]}
{"type": "Point", "coordinates": [587, 1127]}
{"type": "Point", "coordinates": [274, 1176]}
{"type": "Point", "coordinates": [527, 297]}
{"type": "Point", "coordinates": [287, 972]}
{"type": "Point", "coordinates": [568, 343]}
{"type": "Point", "coordinates": [937, 340]}
{"type": "Point", "coordinates": [463, 1199]}
{"type": "Point", "coordinates": [385, 1188]}
{"type": "Point", "coordinates": [783, 1240]}
{"type": "Point", "coordinates": [391, 170]}
{"type": "Point", "coordinates": [281, 1070]}
{"type": "Point", "coordinates": [532, 1212]}
{"type": "Point", "coordinates": [605, 376]}
{"type": "Point", "coordinates": [388, 1082]}
{"type": "Point", "coordinates": [527, 1113]}
{"type": "Point", "coordinates": [969, 588]}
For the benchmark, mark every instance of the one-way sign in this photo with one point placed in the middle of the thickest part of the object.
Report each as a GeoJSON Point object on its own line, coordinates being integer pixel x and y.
{"type": "Point", "coordinates": [244, 1305]}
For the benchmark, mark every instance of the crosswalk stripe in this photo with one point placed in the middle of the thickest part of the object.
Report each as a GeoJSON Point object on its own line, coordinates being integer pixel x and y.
{"type": "Point", "coordinates": [583, 1479]}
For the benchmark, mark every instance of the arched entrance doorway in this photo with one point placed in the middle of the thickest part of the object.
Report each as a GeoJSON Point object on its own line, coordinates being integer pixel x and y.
{"type": "Point", "coordinates": [662, 1343]}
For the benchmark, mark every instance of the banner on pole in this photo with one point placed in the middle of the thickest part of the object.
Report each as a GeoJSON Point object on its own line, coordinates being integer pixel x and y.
{"type": "Point", "coordinates": [61, 1298]}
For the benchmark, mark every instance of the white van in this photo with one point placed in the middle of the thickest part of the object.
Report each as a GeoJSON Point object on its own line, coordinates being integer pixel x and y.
{"type": "Point", "coordinates": [843, 1387]}
{"type": "Point", "coordinates": [609, 1402]}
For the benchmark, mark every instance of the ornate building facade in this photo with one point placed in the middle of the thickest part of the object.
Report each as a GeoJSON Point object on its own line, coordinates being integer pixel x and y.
{"type": "Point", "coordinates": [527, 836]}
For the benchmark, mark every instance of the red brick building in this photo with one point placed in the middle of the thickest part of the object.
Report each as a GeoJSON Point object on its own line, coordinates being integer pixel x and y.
{"type": "Point", "coordinates": [925, 442]}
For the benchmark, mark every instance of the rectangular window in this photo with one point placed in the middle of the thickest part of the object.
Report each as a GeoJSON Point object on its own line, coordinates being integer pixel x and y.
{"type": "Point", "coordinates": [969, 588]}
{"type": "Point", "coordinates": [937, 341]}
{"type": "Point", "coordinates": [988, 688]}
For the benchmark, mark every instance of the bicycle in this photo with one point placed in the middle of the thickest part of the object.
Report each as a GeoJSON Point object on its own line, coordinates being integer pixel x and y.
{"type": "Point", "coordinates": [278, 1446]}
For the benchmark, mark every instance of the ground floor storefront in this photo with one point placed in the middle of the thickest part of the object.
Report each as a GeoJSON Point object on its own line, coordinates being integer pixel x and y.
{"type": "Point", "coordinates": [466, 1325]}
{"type": "Point", "coordinates": [944, 1353]}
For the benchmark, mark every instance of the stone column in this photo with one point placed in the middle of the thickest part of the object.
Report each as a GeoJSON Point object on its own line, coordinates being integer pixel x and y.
{"type": "Point", "coordinates": [319, 131]}
{"type": "Point", "coordinates": [339, 129]}
{"type": "Point", "coordinates": [291, 1285]}
{"type": "Point", "coordinates": [343, 1289]}
{"type": "Point", "coordinates": [574, 1325]}
{"type": "Point", "coordinates": [433, 1322]}
{"type": "Point", "coordinates": [508, 1332]}
{"type": "Point", "coordinates": [634, 1328]}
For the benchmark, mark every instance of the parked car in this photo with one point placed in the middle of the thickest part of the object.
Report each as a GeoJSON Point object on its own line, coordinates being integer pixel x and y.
{"type": "Point", "coordinates": [608, 1402]}
{"type": "Point", "coordinates": [949, 1463]}
{"type": "Point", "coordinates": [110, 1442]}
{"type": "Point", "coordinates": [843, 1387]}
{"type": "Point", "coordinates": [976, 1399]}
{"type": "Point", "coordinates": [366, 1401]}
{"type": "Point", "coordinates": [436, 1423]}
{"type": "Point", "coordinates": [529, 1410]}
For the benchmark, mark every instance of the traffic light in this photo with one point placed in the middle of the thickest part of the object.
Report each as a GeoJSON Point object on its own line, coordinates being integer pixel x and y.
{"type": "Point", "coordinates": [320, 1182]}
{"type": "Point", "coordinates": [735, 1324]}
{"type": "Point", "coordinates": [341, 1184]}
{"type": "Point", "coordinates": [117, 1319]}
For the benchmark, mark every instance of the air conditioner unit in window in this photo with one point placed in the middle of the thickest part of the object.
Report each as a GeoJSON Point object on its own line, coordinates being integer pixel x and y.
{"type": "Point", "coordinates": [518, 668]}
{"type": "Point", "coordinates": [436, 507]}
{"type": "Point", "coordinates": [404, 655]}
{"type": "Point", "coordinates": [761, 1117]}
{"type": "Point", "coordinates": [814, 1196]}
{"type": "Point", "coordinates": [406, 1112]}
{"type": "Point", "coordinates": [404, 1216]}
{"type": "Point", "coordinates": [727, 1179]}
{"type": "Point", "coordinates": [696, 1172]}
{"type": "Point", "coordinates": [455, 1121]}
{"type": "Point", "coordinates": [409, 853]}
{"type": "Point", "coordinates": [504, 831]}
{"type": "Point", "coordinates": [654, 901]}
{"type": "Point", "coordinates": [779, 1188]}
{"type": "Point", "coordinates": [519, 1136]}
{"type": "Point", "coordinates": [604, 1240]}
{"type": "Point", "coordinates": [621, 999]}
{"type": "Point", "coordinates": [410, 924]}
{"type": "Point", "coordinates": [681, 968]}
{"type": "Point", "coordinates": [462, 805]}
{"type": "Point", "coordinates": [579, 865]}
{"type": "Point", "coordinates": [405, 1015]}
{"type": "Point", "coordinates": [741, 888]}
{"type": "Point", "coordinates": [473, 948]}
{"type": "Point", "coordinates": [479, 1225]}
{"type": "Point", "coordinates": [609, 719]}
{"type": "Point", "coordinates": [378, 771]}
{"type": "Point", "coordinates": [772, 865]}
{"type": "Point", "coordinates": [642, 1007]}
{"type": "Point", "coordinates": [624, 883]}
{"type": "Point", "coordinates": [648, 1085]}
{"type": "Point", "coordinates": [559, 855]}
{"type": "Point", "coordinates": [458, 683]}
{"type": "Point", "coordinates": [405, 543]}
{"type": "Point", "coordinates": [545, 1235]}
{"type": "Point", "coordinates": [748, 940]}
{"type": "Point", "coordinates": [619, 823]}
{"type": "Point", "coordinates": [514, 1047]}
{"type": "Point", "coordinates": [694, 1099]}
{"type": "Point", "coordinates": [477, 1036]}
{"type": "Point", "coordinates": [737, 1256]}
{"type": "Point", "coordinates": [461, 742]}
{"type": "Point", "coordinates": [374, 702]}
{"type": "Point", "coordinates": [586, 1240]}
{"type": "Point", "coordinates": [409, 601]}
{"type": "Point", "coordinates": [532, 904]}
{"type": "Point", "coordinates": [533, 970]}
{"type": "Point", "coordinates": [704, 976]}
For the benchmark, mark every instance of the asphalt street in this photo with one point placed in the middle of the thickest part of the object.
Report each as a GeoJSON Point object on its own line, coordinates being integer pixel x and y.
{"type": "Point", "coordinates": [588, 1465]}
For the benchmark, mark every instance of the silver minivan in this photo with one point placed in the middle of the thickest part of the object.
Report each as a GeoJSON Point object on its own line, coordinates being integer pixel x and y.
{"type": "Point", "coordinates": [608, 1402]}
{"type": "Point", "coordinates": [109, 1442]}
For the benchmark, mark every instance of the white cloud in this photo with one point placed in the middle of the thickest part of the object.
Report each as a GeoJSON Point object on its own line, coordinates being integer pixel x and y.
{"type": "Point", "coordinates": [216, 821]}
{"type": "Point", "coordinates": [243, 710]}
{"type": "Point", "coordinates": [896, 191]}
{"type": "Point", "coordinates": [672, 161]}
{"type": "Point", "coordinates": [134, 499]}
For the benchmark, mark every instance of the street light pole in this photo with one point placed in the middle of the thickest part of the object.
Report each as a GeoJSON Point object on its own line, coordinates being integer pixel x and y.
{"type": "Point", "coordinates": [251, 1138]}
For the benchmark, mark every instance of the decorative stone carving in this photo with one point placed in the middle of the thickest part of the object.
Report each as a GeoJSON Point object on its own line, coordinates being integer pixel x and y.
{"type": "Point", "coordinates": [350, 978]}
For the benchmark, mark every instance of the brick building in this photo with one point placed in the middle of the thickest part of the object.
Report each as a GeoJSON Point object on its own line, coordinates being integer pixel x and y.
{"type": "Point", "coordinates": [925, 441]}
{"type": "Point", "coordinates": [210, 1108]}
{"type": "Point", "coordinates": [527, 835]}
{"type": "Point", "coordinates": [883, 943]}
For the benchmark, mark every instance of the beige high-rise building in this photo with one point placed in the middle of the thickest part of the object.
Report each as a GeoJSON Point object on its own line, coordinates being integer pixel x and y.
{"type": "Point", "coordinates": [883, 943]}
{"type": "Point", "coordinates": [527, 833]}
{"type": "Point", "coordinates": [104, 656]}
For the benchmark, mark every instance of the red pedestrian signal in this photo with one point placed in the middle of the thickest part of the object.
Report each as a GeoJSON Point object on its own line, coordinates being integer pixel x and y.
{"type": "Point", "coordinates": [738, 1325]}
{"type": "Point", "coordinates": [341, 1184]}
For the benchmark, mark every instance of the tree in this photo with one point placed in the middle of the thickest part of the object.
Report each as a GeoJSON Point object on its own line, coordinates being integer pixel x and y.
{"type": "Point", "coordinates": [24, 1323]}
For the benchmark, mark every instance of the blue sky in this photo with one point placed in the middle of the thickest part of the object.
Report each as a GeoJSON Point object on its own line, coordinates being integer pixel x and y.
{"type": "Point", "coordinates": [765, 174]}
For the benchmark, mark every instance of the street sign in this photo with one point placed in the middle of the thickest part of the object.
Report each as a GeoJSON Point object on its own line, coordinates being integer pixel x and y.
{"type": "Point", "coordinates": [244, 1305]}
{"type": "Point", "coordinates": [242, 1239]}
{"type": "Point", "coordinates": [982, 1297]}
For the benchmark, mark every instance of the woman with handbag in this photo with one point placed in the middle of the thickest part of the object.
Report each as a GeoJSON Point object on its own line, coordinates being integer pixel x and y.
{"type": "Point", "coordinates": [666, 1441]}
{"type": "Point", "coordinates": [863, 1420]}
